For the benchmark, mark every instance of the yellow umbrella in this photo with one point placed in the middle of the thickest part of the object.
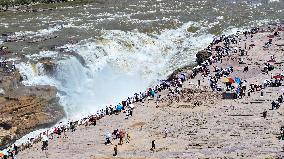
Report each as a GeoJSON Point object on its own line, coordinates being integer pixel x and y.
{"type": "Point", "coordinates": [225, 79]}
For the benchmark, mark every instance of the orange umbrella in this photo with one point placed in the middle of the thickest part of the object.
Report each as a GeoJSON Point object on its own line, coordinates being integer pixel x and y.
{"type": "Point", "coordinates": [231, 80]}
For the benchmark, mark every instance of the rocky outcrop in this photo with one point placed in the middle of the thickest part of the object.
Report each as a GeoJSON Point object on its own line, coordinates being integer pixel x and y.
{"type": "Point", "coordinates": [202, 56]}
{"type": "Point", "coordinates": [49, 65]}
{"type": "Point", "coordinates": [25, 108]}
{"type": "Point", "coordinates": [184, 69]}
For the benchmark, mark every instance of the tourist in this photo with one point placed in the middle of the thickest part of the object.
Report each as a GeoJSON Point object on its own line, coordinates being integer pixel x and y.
{"type": "Point", "coordinates": [121, 136]}
{"type": "Point", "coordinates": [127, 113]}
{"type": "Point", "coordinates": [72, 127]}
{"type": "Point", "coordinates": [166, 131]}
{"type": "Point", "coordinates": [107, 137]}
{"type": "Point", "coordinates": [127, 138]}
{"type": "Point", "coordinates": [153, 145]}
{"type": "Point", "coordinates": [131, 108]}
{"type": "Point", "coordinates": [115, 150]}
{"type": "Point", "coordinates": [16, 148]}
{"type": "Point", "coordinates": [282, 132]}
{"type": "Point", "coordinates": [264, 114]}
{"type": "Point", "coordinates": [44, 140]}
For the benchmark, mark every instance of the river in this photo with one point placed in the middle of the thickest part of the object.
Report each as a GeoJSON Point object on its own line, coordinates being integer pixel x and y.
{"type": "Point", "coordinates": [122, 46]}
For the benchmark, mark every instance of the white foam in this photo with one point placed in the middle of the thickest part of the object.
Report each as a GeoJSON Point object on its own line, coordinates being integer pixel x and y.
{"type": "Point", "coordinates": [26, 138]}
{"type": "Point", "coordinates": [270, 1]}
{"type": "Point", "coordinates": [6, 25]}
{"type": "Point", "coordinates": [10, 59]}
{"type": "Point", "coordinates": [34, 74]}
{"type": "Point", "coordinates": [51, 54]}
{"type": "Point", "coordinates": [43, 32]}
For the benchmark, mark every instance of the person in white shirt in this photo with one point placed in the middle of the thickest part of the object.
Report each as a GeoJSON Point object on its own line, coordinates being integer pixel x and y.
{"type": "Point", "coordinates": [166, 131]}
{"type": "Point", "coordinates": [44, 140]}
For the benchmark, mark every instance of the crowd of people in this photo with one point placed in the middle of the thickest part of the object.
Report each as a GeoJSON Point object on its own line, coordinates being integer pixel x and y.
{"type": "Point", "coordinates": [219, 80]}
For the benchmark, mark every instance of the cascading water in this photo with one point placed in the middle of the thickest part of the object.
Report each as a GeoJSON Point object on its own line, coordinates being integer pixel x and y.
{"type": "Point", "coordinates": [115, 65]}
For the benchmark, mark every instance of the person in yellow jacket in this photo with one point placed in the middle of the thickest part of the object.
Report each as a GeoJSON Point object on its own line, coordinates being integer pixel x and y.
{"type": "Point", "coordinates": [127, 138]}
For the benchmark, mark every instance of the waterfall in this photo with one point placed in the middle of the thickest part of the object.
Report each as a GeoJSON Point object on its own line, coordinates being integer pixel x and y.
{"type": "Point", "coordinates": [113, 66]}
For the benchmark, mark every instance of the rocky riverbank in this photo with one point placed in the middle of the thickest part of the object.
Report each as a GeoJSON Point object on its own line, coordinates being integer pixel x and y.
{"type": "Point", "coordinates": [24, 108]}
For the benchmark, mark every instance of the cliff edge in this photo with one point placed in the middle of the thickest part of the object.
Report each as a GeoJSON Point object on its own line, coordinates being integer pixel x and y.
{"type": "Point", "coordinates": [24, 108]}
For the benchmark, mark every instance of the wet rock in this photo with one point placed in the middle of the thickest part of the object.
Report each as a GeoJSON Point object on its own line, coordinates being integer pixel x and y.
{"type": "Point", "coordinates": [13, 38]}
{"type": "Point", "coordinates": [41, 38]}
{"type": "Point", "coordinates": [49, 65]}
{"type": "Point", "coordinates": [7, 34]}
{"type": "Point", "coordinates": [76, 55]}
{"type": "Point", "coordinates": [4, 52]}
{"type": "Point", "coordinates": [192, 29]}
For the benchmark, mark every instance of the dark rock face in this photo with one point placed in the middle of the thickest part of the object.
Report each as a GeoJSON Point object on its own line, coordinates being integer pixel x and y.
{"type": "Point", "coordinates": [7, 34]}
{"type": "Point", "coordinates": [202, 56]}
{"type": "Point", "coordinates": [184, 69]}
{"type": "Point", "coordinates": [5, 126]}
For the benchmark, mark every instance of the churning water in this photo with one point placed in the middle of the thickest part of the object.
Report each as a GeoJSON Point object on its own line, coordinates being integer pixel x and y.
{"type": "Point", "coordinates": [113, 66]}
{"type": "Point", "coordinates": [104, 52]}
